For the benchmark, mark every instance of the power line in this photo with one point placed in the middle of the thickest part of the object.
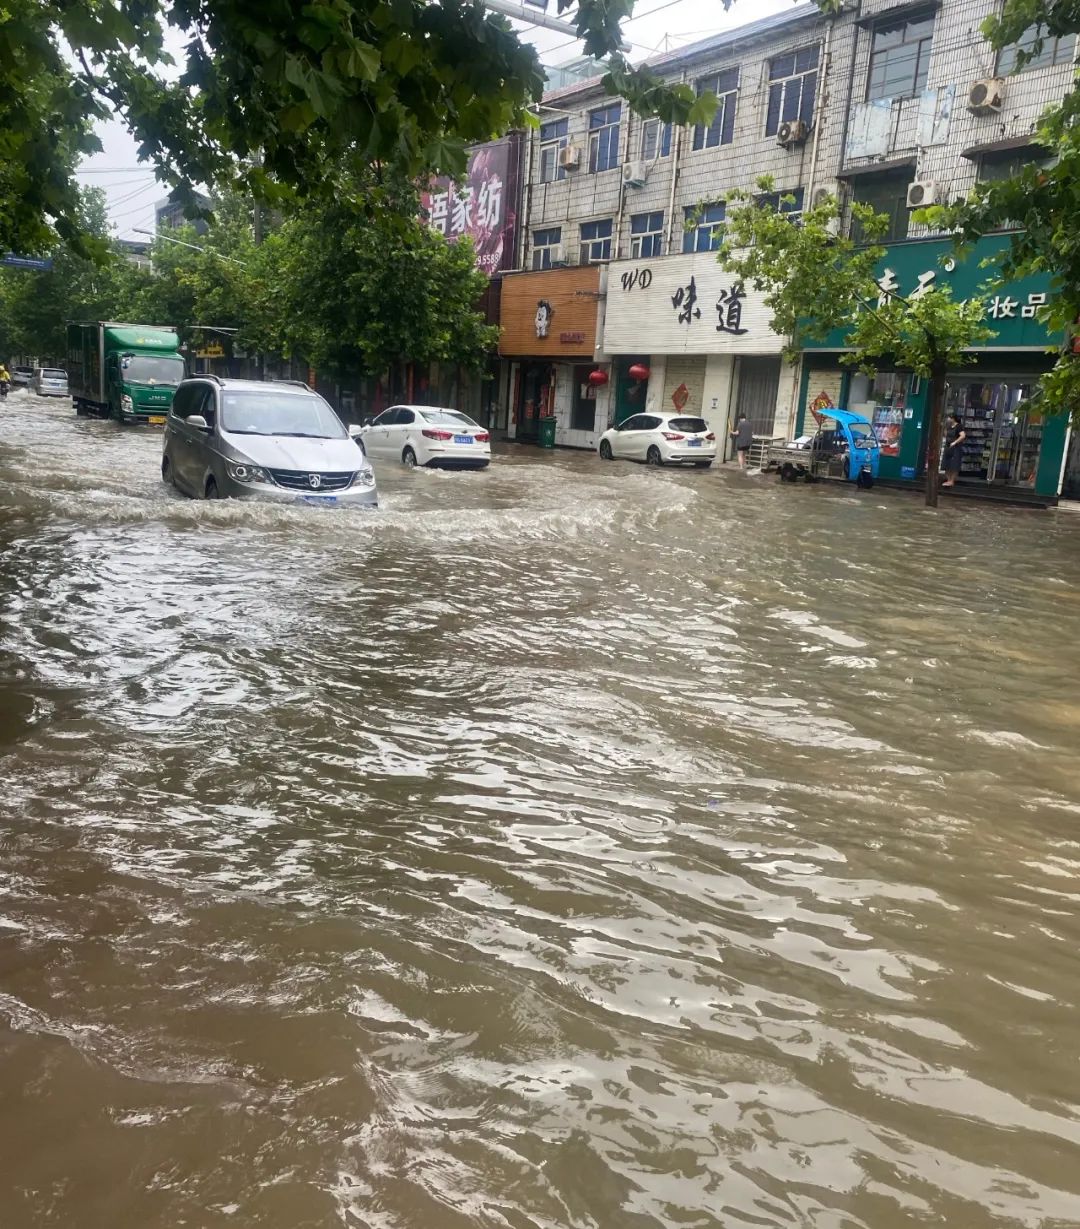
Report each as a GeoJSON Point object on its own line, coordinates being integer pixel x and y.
{"type": "Point", "coordinates": [117, 170]}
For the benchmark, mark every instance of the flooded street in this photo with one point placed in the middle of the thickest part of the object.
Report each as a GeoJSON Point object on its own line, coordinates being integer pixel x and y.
{"type": "Point", "coordinates": [563, 846]}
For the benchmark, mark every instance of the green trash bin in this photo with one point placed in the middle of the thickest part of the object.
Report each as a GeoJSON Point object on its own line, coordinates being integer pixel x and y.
{"type": "Point", "coordinates": [547, 431]}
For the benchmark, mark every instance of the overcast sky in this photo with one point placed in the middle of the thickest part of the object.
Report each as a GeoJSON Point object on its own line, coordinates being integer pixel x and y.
{"type": "Point", "coordinates": [658, 25]}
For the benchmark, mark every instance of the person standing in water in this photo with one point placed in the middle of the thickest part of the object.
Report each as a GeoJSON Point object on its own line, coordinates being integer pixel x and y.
{"type": "Point", "coordinates": [743, 435]}
{"type": "Point", "coordinates": [954, 449]}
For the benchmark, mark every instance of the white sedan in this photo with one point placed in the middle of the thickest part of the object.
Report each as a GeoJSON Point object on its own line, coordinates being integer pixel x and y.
{"type": "Point", "coordinates": [661, 439]}
{"type": "Point", "coordinates": [427, 435]}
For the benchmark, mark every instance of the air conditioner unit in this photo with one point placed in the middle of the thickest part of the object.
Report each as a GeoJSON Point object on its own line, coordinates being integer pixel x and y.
{"type": "Point", "coordinates": [792, 132]}
{"type": "Point", "coordinates": [557, 253]}
{"type": "Point", "coordinates": [634, 175]}
{"type": "Point", "coordinates": [921, 192]}
{"type": "Point", "coordinates": [985, 96]}
{"type": "Point", "coordinates": [569, 157]}
{"type": "Point", "coordinates": [827, 192]}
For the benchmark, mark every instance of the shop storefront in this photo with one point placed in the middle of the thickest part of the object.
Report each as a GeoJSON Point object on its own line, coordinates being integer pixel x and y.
{"type": "Point", "coordinates": [702, 340]}
{"type": "Point", "coordinates": [1012, 440]}
{"type": "Point", "coordinates": [549, 327]}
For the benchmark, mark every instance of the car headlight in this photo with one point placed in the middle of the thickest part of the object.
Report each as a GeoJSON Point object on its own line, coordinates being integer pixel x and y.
{"type": "Point", "coordinates": [364, 477]}
{"type": "Point", "coordinates": [238, 471]}
{"type": "Point", "coordinates": [126, 402]}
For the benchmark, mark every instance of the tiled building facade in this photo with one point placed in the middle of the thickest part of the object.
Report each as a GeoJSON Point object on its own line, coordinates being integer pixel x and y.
{"type": "Point", "coordinates": [865, 104]}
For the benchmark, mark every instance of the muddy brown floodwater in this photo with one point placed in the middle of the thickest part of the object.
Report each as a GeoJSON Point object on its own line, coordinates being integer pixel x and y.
{"type": "Point", "coordinates": [566, 846]}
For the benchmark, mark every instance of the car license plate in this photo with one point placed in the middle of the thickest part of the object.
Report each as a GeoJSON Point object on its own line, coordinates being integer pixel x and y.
{"type": "Point", "coordinates": [694, 443]}
{"type": "Point", "coordinates": [318, 499]}
{"type": "Point", "coordinates": [157, 420]}
{"type": "Point", "coordinates": [463, 439]}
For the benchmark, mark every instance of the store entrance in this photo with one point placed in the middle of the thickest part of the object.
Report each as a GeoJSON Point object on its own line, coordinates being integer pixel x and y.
{"type": "Point", "coordinates": [1003, 426]}
{"type": "Point", "coordinates": [532, 400]}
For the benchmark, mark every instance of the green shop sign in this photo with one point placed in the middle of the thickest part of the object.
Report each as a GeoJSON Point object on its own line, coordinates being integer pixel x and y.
{"type": "Point", "coordinates": [912, 268]}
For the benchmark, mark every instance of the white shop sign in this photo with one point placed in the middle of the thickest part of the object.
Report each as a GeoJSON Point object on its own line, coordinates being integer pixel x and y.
{"type": "Point", "coordinates": [684, 305]}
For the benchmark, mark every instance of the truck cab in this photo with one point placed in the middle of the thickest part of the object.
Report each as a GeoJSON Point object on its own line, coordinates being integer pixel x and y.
{"type": "Point", "coordinates": [140, 385]}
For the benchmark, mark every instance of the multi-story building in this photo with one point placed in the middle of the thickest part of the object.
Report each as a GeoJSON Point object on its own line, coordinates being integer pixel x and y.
{"type": "Point", "coordinates": [893, 104]}
{"type": "Point", "coordinates": [170, 213]}
{"type": "Point", "coordinates": [642, 199]}
{"type": "Point", "coordinates": [932, 110]}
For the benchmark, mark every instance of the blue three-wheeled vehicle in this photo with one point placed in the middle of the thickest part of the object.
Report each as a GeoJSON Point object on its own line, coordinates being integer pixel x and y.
{"type": "Point", "coordinates": [844, 448]}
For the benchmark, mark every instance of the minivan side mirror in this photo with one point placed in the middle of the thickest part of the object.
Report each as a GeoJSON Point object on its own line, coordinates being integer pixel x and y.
{"type": "Point", "coordinates": [197, 420]}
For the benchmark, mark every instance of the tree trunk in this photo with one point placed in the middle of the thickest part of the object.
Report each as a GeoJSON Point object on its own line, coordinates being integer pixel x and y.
{"type": "Point", "coordinates": [934, 431]}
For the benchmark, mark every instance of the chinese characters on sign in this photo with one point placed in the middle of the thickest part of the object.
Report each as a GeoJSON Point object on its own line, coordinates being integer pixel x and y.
{"type": "Point", "coordinates": [477, 207]}
{"type": "Point", "coordinates": [729, 309]}
{"type": "Point", "coordinates": [684, 301]}
{"type": "Point", "coordinates": [1000, 307]}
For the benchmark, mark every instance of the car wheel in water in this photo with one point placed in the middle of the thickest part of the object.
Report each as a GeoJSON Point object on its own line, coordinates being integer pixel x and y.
{"type": "Point", "coordinates": [408, 458]}
{"type": "Point", "coordinates": [211, 490]}
{"type": "Point", "coordinates": [864, 481]}
{"type": "Point", "coordinates": [166, 470]}
{"type": "Point", "coordinates": [653, 456]}
{"type": "Point", "coordinates": [605, 451]}
{"type": "Point", "coordinates": [788, 473]}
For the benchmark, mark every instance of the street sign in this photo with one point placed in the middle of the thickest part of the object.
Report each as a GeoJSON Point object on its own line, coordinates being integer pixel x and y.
{"type": "Point", "coordinates": [26, 262]}
{"type": "Point", "coordinates": [212, 349]}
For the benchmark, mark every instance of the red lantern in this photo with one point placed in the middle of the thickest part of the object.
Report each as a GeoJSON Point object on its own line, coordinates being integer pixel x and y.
{"type": "Point", "coordinates": [638, 372]}
{"type": "Point", "coordinates": [598, 378]}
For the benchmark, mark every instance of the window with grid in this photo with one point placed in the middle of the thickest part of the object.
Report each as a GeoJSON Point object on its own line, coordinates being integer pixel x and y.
{"type": "Point", "coordinates": [703, 229]}
{"type": "Point", "coordinates": [553, 138]}
{"type": "Point", "coordinates": [792, 88]}
{"type": "Point", "coordinates": [544, 243]}
{"type": "Point", "coordinates": [655, 140]}
{"type": "Point", "coordinates": [790, 202]}
{"type": "Point", "coordinates": [604, 138]}
{"type": "Point", "coordinates": [900, 57]}
{"type": "Point", "coordinates": [595, 241]}
{"type": "Point", "coordinates": [647, 234]}
{"type": "Point", "coordinates": [886, 194]}
{"type": "Point", "coordinates": [1059, 50]}
{"type": "Point", "coordinates": [725, 86]}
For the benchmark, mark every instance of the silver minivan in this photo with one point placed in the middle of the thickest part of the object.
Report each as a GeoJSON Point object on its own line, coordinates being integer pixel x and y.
{"type": "Point", "coordinates": [275, 440]}
{"type": "Point", "coordinates": [50, 382]}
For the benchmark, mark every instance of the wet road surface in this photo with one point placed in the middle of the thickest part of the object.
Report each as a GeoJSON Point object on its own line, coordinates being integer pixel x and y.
{"type": "Point", "coordinates": [566, 845]}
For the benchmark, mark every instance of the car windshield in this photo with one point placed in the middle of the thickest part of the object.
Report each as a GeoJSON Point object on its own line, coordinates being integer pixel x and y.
{"type": "Point", "coordinates": [448, 418]}
{"type": "Point", "coordinates": [152, 369]}
{"type": "Point", "coordinates": [49, 373]}
{"type": "Point", "coordinates": [862, 434]}
{"type": "Point", "coordinates": [280, 413]}
{"type": "Point", "coordinates": [688, 424]}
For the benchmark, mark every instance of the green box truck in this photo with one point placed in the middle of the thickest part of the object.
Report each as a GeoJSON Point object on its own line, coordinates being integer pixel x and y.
{"type": "Point", "coordinates": [124, 371]}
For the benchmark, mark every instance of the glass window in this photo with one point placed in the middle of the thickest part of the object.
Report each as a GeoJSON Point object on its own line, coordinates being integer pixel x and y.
{"type": "Point", "coordinates": [604, 138]}
{"type": "Point", "coordinates": [544, 244]}
{"type": "Point", "coordinates": [151, 369]}
{"type": "Point", "coordinates": [647, 234]}
{"type": "Point", "coordinates": [886, 194]}
{"type": "Point", "coordinates": [792, 88]}
{"type": "Point", "coordinates": [277, 412]}
{"type": "Point", "coordinates": [636, 423]}
{"type": "Point", "coordinates": [1004, 164]}
{"type": "Point", "coordinates": [595, 241]}
{"type": "Point", "coordinates": [703, 232]}
{"type": "Point", "coordinates": [900, 57]}
{"type": "Point", "coordinates": [552, 139]}
{"type": "Point", "coordinates": [1054, 50]}
{"type": "Point", "coordinates": [448, 418]}
{"type": "Point", "coordinates": [725, 86]}
{"type": "Point", "coordinates": [790, 202]}
{"type": "Point", "coordinates": [693, 425]}
{"type": "Point", "coordinates": [655, 140]}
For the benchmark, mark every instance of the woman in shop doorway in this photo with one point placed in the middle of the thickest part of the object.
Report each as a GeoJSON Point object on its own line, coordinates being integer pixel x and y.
{"type": "Point", "coordinates": [954, 449]}
{"type": "Point", "coordinates": [743, 436]}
